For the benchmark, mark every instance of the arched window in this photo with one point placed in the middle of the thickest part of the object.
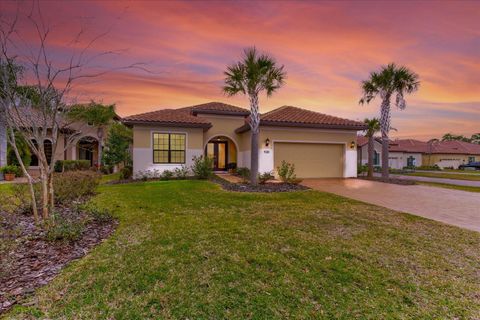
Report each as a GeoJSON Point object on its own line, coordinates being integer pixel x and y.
{"type": "Point", "coordinates": [47, 145]}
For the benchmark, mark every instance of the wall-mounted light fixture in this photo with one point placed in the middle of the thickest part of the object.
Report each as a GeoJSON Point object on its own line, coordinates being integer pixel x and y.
{"type": "Point", "coordinates": [352, 145]}
{"type": "Point", "coordinates": [267, 142]}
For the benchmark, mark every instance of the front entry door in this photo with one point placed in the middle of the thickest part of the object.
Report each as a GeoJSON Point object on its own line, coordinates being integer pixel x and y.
{"type": "Point", "coordinates": [217, 150]}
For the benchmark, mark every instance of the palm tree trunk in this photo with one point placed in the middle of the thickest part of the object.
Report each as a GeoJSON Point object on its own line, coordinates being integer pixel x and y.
{"type": "Point", "coordinates": [254, 126]}
{"type": "Point", "coordinates": [254, 159]}
{"type": "Point", "coordinates": [3, 140]}
{"type": "Point", "coordinates": [385, 128]}
{"type": "Point", "coordinates": [370, 156]}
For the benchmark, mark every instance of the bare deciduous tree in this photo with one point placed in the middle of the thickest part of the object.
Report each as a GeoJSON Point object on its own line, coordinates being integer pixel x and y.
{"type": "Point", "coordinates": [36, 91]}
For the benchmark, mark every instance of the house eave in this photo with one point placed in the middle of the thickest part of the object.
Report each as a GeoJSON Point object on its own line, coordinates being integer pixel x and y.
{"type": "Point", "coordinates": [264, 123]}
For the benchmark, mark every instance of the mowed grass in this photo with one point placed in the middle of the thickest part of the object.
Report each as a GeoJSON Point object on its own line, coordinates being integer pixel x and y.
{"type": "Point", "coordinates": [472, 177]}
{"type": "Point", "coordinates": [189, 250]}
{"type": "Point", "coordinates": [450, 186]}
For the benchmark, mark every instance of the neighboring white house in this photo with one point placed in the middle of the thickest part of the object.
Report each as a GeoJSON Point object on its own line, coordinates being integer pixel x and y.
{"type": "Point", "coordinates": [406, 153]}
{"type": "Point", "coordinates": [362, 151]}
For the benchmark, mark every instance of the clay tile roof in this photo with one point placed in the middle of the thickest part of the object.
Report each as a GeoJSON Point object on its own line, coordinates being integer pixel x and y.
{"type": "Point", "coordinates": [288, 116]}
{"type": "Point", "coordinates": [362, 140]}
{"type": "Point", "coordinates": [173, 117]}
{"type": "Point", "coordinates": [455, 147]}
{"type": "Point", "coordinates": [217, 108]}
{"type": "Point", "coordinates": [408, 145]}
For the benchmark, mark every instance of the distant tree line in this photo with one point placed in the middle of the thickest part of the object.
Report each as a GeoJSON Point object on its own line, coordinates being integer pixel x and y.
{"type": "Point", "coordinates": [475, 138]}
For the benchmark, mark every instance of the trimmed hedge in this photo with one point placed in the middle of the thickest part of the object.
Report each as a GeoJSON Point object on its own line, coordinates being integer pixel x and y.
{"type": "Point", "coordinates": [71, 165]}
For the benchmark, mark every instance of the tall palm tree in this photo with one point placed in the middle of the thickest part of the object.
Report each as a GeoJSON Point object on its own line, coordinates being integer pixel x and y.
{"type": "Point", "coordinates": [391, 80]}
{"type": "Point", "coordinates": [252, 75]}
{"type": "Point", "coordinates": [373, 126]}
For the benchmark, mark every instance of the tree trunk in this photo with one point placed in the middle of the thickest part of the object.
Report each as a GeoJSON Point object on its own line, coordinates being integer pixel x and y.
{"type": "Point", "coordinates": [3, 141]}
{"type": "Point", "coordinates": [51, 191]}
{"type": "Point", "coordinates": [26, 174]}
{"type": "Point", "coordinates": [254, 159]}
{"type": "Point", "coordinates": [370, 156]}
{"type": "Point", "coordinates": [254, 127]}
{"type": "Point", "coordinates": [45, 197]}
{"type": "Point", "coordinates": [385, 128]}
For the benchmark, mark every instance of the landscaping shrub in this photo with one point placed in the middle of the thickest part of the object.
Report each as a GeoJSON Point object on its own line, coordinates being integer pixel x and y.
{"type": "Point", "coordinates": [73, 185]}
{"type": "Point", "coordinates": [19, 200]}
{"type": "Point", "coordinates": [106, 169]}
{"type": "Point", "coordinates": [429, 168]}
{"type": "Point", "coordinates": [362, 169]}
{"type": "Point", "coordinates": [64, 229]}
{"type": "Point", "coordinates": [126, 173]}
{"type": "Point", "coordinates": [11, 169]}
{"type": "Point", "coordinates": [182, 172]}
{"type": "Point", "coordinates": [286, 172]}
{"type": "Point", "coordinates": [202, 167]}
{"type": "Point", "coordinates": [100, 215]}
{"type": "Point", "coordinates": [166, 175]}
{"type": "Point", "coordinates": [244, 173]}
{"type": "Point", "coordinates": [71, 165]}
{"type": "Point", "coordinates": [264, 177]}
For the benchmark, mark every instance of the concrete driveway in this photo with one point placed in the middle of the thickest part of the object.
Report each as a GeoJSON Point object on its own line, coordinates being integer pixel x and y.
{"type": "Point", "coordinates": [459, 208]}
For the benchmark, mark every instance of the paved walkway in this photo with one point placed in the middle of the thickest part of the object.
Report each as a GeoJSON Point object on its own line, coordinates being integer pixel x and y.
{"type": "Point", "coordinates": [459, 208]}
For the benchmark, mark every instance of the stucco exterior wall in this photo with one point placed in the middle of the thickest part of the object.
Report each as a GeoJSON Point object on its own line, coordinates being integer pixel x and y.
{"type": "Point", "coordinates": [398, 160]}
{"type": "Point", "coordinates": [143, 150]}
{"type": "Point", "coordinates": [448, 160]}
{"type": "Point", "coordinates": [363, 153]}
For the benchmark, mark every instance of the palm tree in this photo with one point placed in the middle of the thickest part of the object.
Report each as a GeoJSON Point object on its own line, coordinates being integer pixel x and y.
{"type": "Point", "coordinates": [389, 81]}
{"type": "Point", "coordinates": [250, 76]}
{"type": "Point", "coordinates": [373, 126]}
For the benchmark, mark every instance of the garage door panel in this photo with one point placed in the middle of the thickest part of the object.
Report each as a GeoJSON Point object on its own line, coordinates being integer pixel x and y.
{"type": "Point", "coordinates": [312, 160]}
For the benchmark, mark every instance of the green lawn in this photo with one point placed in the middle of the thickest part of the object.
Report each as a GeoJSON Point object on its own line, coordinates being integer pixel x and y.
{"type": "Point", "coordinates": [473, 177]}
{"type": "Point", "coordinates": [450, 186]}
{"type": "Point", "coordinates": [187, 249]}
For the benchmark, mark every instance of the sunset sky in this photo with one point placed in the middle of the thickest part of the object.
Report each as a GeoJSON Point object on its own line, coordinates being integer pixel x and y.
{"type": "Point", "coordinates": [327, 49]}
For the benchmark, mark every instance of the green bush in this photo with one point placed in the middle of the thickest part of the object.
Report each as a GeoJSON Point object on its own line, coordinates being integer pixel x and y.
{"type": "Point", "coordinates": [362, 168]}
{"type": "Point", "coordinates": [166, 175]}
{"type": "Point", "coordinates": [286, 172]}
{"type": "Point", "coordinates": [71, 165]}
{"type": "Point", "coordinates": [202, 167]}
{"type": "Point", "coordinates": [23, 150]}
{"type": "Point", "coordinates": [264, 177]}
{"type": "Point", "coordinates": [11, 169]}
{"type": "Point", "coordinates": [100, 215]}
{"type": "Point", "coordinates": [64, 229]}
{"type": "Point", "coordinates": [126, 173]}
{"type": "Point", "coordinates": [106, 169]}
{"type": "Point", "coordinates": [19, 199]}
{"type": "Point", "coordinates": [73, 185]}
{"type": "Point", "coordinates": [244, 173]}
{"type": "Point", "coordinates": [182, 172]}
{"type": "Point", "coordinates": [429, 168]}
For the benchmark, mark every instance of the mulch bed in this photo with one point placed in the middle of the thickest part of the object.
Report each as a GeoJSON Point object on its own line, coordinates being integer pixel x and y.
{"type": "Point", "coordinates": [399, 181]}
{"type": "Point", "coordinates": [267, 187]}
{"type": "Point", "coordinates": [29, 261]}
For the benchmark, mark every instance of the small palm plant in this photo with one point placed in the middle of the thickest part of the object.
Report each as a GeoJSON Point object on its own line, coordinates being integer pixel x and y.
{"type": "Point", "coordinates": [391, 80]}
{"type": "Point", "coordinates": [373, 126]}
{"type": "Point", "coordinates": [251, 76]}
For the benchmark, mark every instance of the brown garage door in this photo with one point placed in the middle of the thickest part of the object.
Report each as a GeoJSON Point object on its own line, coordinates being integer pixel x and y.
{"type": "Point", "coordinates": [312, 160]}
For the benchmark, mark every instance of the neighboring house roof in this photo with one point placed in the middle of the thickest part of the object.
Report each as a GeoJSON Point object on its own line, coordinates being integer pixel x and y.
{"type": "Point", "coordinates": [362, 140]}
{"type": "Point", "coordinates": [455, 147]}
{"type": "Point", "coordinates": [408, 145]}
{"type": "Point", "coordinates": [285, 116]}
{"type": "Point", "coordinates": [288, 116]}
{"type": "Point", "coordinates": [435, 147]}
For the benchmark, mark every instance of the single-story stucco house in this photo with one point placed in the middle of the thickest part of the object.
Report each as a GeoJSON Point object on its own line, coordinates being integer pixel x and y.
{"type": "Point", "coordinates": [319, 145]}
{"type": "Point", "coordinates": [406, 153]}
